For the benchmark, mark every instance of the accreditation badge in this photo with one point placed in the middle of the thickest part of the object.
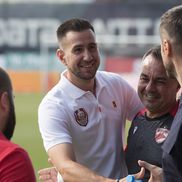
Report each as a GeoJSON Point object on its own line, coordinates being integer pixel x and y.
{"type": "Point", "coordinates": [81, 116]}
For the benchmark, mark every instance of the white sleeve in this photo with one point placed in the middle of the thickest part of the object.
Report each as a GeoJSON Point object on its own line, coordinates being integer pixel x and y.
{"type": "Point", "coordinates": [53, 124]}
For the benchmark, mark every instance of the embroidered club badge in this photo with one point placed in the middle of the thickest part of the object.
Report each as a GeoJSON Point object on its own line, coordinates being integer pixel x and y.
{"type": "Point", "coordinates": [161, 135]}
{"type": "Point", "coordinates": [81, 116]}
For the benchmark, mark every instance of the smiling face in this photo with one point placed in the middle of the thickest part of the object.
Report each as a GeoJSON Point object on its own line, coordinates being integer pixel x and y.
{"type": "Point", "coordinates": [156, 90]}
{"type": "Point", "coordinates": [80, 54]}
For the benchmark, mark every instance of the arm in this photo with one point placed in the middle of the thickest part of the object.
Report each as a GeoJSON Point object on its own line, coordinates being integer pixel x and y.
{"type": "Point", "coordinates": [62, 157]}
{"type": "Point", "coordinates": [50, 175]}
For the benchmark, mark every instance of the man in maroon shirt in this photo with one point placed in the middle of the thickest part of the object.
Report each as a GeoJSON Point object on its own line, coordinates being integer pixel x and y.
{"type": "Point", "coordinates": [15, 164]}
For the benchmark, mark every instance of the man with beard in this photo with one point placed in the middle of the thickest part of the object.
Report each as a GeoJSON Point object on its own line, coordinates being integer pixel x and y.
{"type": "Point", "coordinates": [15, 165]}
{"type": "Point", "coordinates": [83, 117]}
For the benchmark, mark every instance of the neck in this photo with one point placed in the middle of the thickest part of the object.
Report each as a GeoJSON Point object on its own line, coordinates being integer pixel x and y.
{"type": "Point", "coordinates": [170, 108]}
{"type": "Point", "coordinates": [154, 115]}
{"type": "Point", "coordinates": [86, 85]}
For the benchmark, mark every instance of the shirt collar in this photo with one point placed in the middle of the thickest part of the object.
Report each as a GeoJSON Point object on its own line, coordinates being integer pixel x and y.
{"type": "Point", "coordinates": [2, 137]}
{"type": "Point", "coordinates": [75, 92]}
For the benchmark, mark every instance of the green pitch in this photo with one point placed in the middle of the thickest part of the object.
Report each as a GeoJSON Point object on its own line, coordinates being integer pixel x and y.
{"type": "Point", "coordinates": [27, 133]}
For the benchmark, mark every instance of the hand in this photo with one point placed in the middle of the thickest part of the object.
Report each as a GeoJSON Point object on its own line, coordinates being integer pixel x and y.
{"type": "Point", "coordinates": [140, 174]}
{"type": "Point", "coordinates": [48, 174]}
{"type": "Point", "coordinates": [137, 176]}
{"type": "Point", "coordinates": [155, 171]}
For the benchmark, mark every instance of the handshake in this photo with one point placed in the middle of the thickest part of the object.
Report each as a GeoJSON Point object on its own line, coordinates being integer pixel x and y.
{"type": "Point", "coordinates": [155, 174]}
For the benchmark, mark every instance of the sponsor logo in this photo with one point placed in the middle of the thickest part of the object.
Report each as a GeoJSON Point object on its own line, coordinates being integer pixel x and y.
{"type": "Point", "coordinates": [81, 116]}
{"type": "Point", "coordinates": [135, 129]}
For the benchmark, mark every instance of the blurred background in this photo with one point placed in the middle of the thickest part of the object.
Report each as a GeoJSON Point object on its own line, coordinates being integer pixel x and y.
{"type": "Point", "coordinates": [125, 29]}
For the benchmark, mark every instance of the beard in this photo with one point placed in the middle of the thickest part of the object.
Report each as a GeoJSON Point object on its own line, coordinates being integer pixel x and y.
{"type": "Point", "coordinates": [90, 74]}
{"type": "Point", "coordinates": [11, 120]}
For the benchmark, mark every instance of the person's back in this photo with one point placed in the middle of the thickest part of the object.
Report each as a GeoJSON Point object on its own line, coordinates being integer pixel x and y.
{"type": "Point", "coordinates": [15, 164]}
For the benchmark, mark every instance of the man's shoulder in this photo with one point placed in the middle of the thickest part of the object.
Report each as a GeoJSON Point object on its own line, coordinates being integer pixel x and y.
{"type": "Point", "coordinates": [107, 74]}
{"type": "Point", "coordinates": [109, 77]}
{"type": "Point", "coordinates": [15, 160]}
{"type": "Point", "coordinates": [5, 143]}
{"type": "Point", "coordinates": [9, 148]}
{"type": "Point", "coordinates": [52, 95]}
{"type": "Point", "coordinates": [140, 114]}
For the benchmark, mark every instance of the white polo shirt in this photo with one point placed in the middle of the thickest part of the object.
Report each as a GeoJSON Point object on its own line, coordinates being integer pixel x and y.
{"type": "Point", "coordinates": [93, 125]}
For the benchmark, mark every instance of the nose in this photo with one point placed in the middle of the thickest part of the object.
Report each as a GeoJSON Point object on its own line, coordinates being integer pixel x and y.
{"type": "Point", "coordinates": [87, 55]}
{"type": "Point", "coordinates": [150, 86]}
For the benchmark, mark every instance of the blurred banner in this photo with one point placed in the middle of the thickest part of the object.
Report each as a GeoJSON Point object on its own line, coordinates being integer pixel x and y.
{"type": "Point", "coordinates": [28, 32]}
{"type": "Point", "coordinates": [32, 26]}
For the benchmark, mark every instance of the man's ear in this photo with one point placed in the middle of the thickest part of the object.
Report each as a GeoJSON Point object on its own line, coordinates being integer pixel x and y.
{"type": "Point", "coordinates": [4, 101]}
{"type": "Point", "coordinates": [60, 55]}
{"type": "Point", "coordinates": [166, 48]}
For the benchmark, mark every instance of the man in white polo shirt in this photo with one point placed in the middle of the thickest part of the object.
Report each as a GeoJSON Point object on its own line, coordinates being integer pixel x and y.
{"type": "Point", "coordinates": [82, 119]}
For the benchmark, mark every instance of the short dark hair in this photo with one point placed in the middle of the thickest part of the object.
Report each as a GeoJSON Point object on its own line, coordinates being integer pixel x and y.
{"type": "Point", "coordinates": [154, 52]}
{"type": "Point", "coordinates": [171, 22]}
{"type": "Point", "coordinates": [6, 86]}
{"type": "Point", "coordinates": [5, 82]}
{"type": "Point", "coordinates": [74, 24]}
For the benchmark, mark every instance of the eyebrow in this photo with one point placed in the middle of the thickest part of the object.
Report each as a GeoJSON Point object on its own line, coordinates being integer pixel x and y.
{"type": "Point", "coordinates": [162, 78]}
{"type": "Point", "coordinates": [142, 74]}
{"type": "Point", "coordinates": [158, 78]}
{"type": "Point", "coordinates": [82, 45]}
